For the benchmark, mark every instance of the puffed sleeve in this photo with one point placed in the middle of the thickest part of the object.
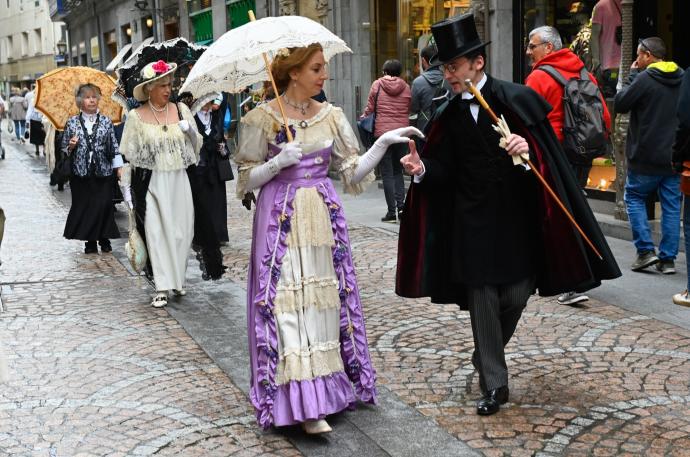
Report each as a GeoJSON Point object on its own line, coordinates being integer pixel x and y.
{"type": "Point", "coordinates": [131, 137]}
{"type": "Point", "coordinates": [253, 146]}
{"type": "Point", "coordinates": [346, 153]}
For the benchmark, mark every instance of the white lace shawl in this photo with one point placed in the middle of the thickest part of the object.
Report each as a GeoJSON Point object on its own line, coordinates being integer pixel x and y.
{"type": "Point", "coordinates": [329, 125]}
{"type": "Point", "coordinates": [149, 146]}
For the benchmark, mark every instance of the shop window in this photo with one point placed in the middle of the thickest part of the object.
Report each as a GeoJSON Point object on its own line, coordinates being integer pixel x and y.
{"type": "Point", "coordinates": [237, 12]}
{"type": "Point", "coordinates": [202, 24]}
{"type": "Point", "coordinates": [146, 27]}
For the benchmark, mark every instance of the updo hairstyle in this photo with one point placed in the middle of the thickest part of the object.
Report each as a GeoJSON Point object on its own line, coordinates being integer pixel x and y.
{"type": "Point", "coordinates": [82, 90]}
{"type": "Point", "coordinates": [297, 58]}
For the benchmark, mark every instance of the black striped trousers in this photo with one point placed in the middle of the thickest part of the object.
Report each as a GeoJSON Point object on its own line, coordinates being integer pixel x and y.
{"type": "Point", "coordinates": [495, 311]}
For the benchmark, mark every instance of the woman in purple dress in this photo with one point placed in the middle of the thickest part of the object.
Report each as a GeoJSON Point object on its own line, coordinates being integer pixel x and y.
{"type": "Point", "coordinates": [308, 346]}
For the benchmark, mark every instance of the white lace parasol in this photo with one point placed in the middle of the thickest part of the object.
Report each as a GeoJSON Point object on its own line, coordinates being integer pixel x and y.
{"type": "Point", "coordinates": [235, 60]}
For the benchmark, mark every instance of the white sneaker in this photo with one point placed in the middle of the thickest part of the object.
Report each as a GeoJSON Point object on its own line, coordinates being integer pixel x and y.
{"type": "Point", "coordinates": [316, 427]}
{"type": "Point", "coordinates": [682, 299]}
{"type": "Point", "coordinates": [570, 298]}
{"type": "Point", "coordinates": [179, 292]}
{"type": "Point", "coordinates": [160, 300]}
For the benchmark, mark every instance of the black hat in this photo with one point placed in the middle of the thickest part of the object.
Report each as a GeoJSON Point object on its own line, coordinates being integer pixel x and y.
{"type": "Point", "coordinates": [455, 37]}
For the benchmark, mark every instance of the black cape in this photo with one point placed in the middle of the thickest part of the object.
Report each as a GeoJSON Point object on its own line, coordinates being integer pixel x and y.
{"type": "Point", "coordinates": [427, 235]}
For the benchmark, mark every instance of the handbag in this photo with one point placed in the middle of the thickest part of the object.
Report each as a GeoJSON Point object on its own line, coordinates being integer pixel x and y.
{"type": "Point", "coordinates": [135, 246]}
{"type": "Point", "coordinates": [366, 125]}
{"type": "Point", "coordinates": [225, 170]}
{"type": "Point", "coordinates": [63, 168]}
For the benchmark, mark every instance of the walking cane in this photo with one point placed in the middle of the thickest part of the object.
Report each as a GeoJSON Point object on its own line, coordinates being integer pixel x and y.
{"type": "Point", "coordinates": [499, 123]}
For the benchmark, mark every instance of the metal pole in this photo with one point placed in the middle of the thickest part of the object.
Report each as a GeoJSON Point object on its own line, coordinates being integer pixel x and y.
{"type": "Point", "coordinates": [623, 120]}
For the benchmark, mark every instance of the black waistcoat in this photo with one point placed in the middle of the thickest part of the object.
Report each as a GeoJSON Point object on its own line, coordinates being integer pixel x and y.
{"type": "Point", "coordinates": [495, 214]}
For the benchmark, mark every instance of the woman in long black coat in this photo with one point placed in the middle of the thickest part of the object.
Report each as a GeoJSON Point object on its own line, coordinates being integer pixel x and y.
{"type": "Point", "coordinates": [89, 139]}
{"type": "Point", "coordinates": [214, 168]}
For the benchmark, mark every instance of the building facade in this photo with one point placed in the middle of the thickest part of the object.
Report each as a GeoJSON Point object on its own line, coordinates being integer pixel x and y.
{"type": "Point", "coordinates": [102, 33]}
{"type": "Point", "coordinates": [28, 42]}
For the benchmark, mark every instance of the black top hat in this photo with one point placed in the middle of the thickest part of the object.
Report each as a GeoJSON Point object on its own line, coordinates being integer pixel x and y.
{"type": "Point", "coordinates": [455, 37]}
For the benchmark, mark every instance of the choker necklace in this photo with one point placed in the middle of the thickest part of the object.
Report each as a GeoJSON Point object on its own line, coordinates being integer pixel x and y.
{"type": "Point", "coordinates": [153, 111]}
{"type": "Point", "coordinates": [301, 107]}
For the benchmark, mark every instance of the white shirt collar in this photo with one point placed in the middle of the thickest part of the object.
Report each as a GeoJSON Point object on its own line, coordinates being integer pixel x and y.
{"type": "Point", "coordinates": [468, 95]}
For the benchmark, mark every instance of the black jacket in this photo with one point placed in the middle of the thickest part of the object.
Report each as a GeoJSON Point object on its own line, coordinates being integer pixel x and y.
{"type": "Point", "coordinates": [650, 96]}
{"type": "Point", "coordinates": [681, 146]}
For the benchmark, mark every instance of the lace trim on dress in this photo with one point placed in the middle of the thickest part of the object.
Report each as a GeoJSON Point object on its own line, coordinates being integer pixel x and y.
{"type": "Point", "coordinates": [320, 359]}
{"type": "Point", "coordinates": [316, 293]}
{"type": "Point", "coordinates": [347, 171]}
{"type": "Point", "coordinates": [149, 146]}
{"type": "Point", "coordinates": [311, 225]}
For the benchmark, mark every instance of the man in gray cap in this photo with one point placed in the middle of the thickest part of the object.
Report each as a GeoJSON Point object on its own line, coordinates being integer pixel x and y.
{"type": "Point", "coordinates": [650, 95]}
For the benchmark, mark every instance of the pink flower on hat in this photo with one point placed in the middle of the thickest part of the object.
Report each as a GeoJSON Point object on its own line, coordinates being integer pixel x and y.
{"type": "Point", "coordinates": [160, 67]}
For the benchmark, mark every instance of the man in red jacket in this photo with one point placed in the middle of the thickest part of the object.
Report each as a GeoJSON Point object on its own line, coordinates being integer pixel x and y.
{"type": "Point", "coordinates": [546, 48]}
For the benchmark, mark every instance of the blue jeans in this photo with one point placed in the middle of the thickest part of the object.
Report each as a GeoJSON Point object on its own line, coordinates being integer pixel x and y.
{"type": "Point", "coordinates": [19, 128]}
{"type": "Point", "coordinates": [637, 188]}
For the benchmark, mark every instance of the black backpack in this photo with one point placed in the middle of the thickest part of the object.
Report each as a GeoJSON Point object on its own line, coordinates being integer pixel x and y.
{"type": "Point", "coordinates": [440, 96]}
{"type": "Point", "coordinates": [584, 130]}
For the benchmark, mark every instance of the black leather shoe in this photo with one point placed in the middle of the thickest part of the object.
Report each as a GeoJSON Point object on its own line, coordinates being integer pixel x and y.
{"type": "Point", "coordinates": [105, 245]}
{"type": "Point", "coordinates": [492, 401]}
{"type": "Point", "coordinates": [90, 247]}
{"type": "Point", "coordinates": [389, 217]}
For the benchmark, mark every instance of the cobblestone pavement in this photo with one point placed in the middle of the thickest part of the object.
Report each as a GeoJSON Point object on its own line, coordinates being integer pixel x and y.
{"type": "Point", "coordinates": [104, 372]}
{"type": "Point", "coordinates": [593, 380]}
{"type": "Point", "coordinates": [94, 370]}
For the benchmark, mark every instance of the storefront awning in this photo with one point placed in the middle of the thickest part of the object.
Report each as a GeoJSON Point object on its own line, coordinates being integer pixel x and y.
{"type": "Point", "coordinates": [118, 58]}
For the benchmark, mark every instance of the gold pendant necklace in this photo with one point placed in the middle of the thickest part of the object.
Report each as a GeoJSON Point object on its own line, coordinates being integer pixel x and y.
{"type": "Point", "coordinates": [302, 107]}
{"type": "Point", "coordinates": [153, 111]}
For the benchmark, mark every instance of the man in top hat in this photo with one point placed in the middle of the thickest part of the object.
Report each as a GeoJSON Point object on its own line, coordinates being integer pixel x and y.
{"type": "Point", "coordinates": [480, 231]}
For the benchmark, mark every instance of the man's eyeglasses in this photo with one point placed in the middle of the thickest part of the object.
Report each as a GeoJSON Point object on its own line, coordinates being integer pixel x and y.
{"type": "Point", "coordinates": [450, 67]}
{"type": "Point", "coordinates": [532, 46]}
{"type": "Point", "coordinates": [643, 45]}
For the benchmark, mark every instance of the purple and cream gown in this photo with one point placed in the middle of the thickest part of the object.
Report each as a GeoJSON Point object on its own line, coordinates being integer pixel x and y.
{"type": "Point", "coordinates": [308, 346]}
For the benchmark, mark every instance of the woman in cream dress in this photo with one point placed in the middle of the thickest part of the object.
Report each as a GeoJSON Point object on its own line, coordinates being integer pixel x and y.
{"type": "Point", "coordinates": [160, 142]}
{"type": "Point", "coordinates": [308, 345]}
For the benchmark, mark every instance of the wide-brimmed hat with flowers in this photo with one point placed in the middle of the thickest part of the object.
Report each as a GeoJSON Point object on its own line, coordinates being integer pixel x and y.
{"type": "Point", "coordinates": [151, 73]}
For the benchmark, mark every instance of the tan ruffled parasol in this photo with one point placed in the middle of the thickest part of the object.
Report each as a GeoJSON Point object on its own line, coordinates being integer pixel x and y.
{"type": "Point", "coordinates": [55, 94]}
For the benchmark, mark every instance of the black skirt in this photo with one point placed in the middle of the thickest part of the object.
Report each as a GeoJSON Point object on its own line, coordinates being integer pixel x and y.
{"type": "Point", "coordinates": [37, 135]}
{"type": "Point", "coordinates": [91, 216]}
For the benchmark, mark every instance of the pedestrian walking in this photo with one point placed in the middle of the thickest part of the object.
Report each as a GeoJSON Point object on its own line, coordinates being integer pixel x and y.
{"type": "Point", "coordinates": [389, 100]}
{"type": "Point", "coordinates": [426, 87]}
{"type": "Point", "coordinates": [18, 107]}
{"type": "Point", "coordinates": [34, 119]}
{"type": "Point", "coordinates": [650, 95]}
{"type": "Point", "coordinates": [302, 294]}
{"type": "Point", "coordinates": [553, 69]}
{"type": "Point", "coordinates": [89, 140]}
{"type": "Point", "coordinates": [478, 230]}
{"type": "Point", "coordinates": [214, 169]}
{"type": "Point", "coordinates": [681, 163]}
{"type": "Point", "coordinates": [161, 143]}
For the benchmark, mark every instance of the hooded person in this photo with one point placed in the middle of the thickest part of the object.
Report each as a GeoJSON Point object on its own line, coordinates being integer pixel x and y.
{"type": "Point", "coordinates": [650, 95]}
{"type": "Point", "coordinates": [389, 100]}
{"type": "Point", "coordinates": [480, 231]}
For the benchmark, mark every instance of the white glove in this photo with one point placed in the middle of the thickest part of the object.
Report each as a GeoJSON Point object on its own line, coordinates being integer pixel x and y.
{"type": "Point", "coordinates": [289, 155]}
{"type": "Point", "coordinates": [373, 156]}
{"type": "Point", "coordinates": [184, 125]}
{"type": "Point", "coordinates": [127, 195]}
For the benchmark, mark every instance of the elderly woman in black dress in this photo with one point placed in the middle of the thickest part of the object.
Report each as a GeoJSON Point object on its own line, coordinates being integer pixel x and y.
{"type": "Point", "coordinates": [89, 139]}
